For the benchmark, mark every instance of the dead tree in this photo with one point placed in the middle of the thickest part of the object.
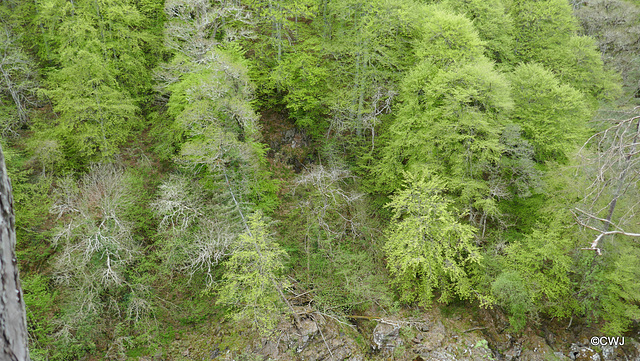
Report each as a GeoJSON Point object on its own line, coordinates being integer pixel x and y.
{"type": "Point", "coordinates": [13, 321]}
{"type": "Point", "coordinates": [614, 165]}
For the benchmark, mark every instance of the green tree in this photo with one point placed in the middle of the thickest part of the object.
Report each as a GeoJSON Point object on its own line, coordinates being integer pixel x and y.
{"type": "Point", "coordinates": [546, 33]}
{"type": "Point", "coordinates": [543, 260]}
{"type": "Point", "coordinates": [493, 24]}
{"type": "Point", "coordinates": [100, 73]}
{"type": "Point", "coordinates": [253, 277]}
{"type": "Point", "coordinates": [429, 250]}
{"type": "Point", "coordinates": [449, 124]}
{"type": "Point", "coordinates": [552, 115]}
{"type": "Point", "coordinates": [541, 26]}
{"type": "Point", "coordinates": [448, 38]}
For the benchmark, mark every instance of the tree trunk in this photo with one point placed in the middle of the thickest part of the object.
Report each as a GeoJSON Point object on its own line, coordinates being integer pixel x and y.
{"type": "Point", "coordinates": [13, 321]}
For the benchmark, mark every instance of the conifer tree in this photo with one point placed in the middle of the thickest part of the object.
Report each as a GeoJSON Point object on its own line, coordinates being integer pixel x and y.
{"type": "Point", "coordinates": [429, 251]}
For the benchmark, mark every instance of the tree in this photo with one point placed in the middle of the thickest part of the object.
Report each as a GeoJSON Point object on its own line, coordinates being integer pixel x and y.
{"type": "Point", "coordinates": [449, 124]}
{"type": "Point", "coordinates": [448, 39]}
{"type": "Point", "coordinates": [541, 26]}
{"type": "Point", "coordinates": [96, 254]}
{"type": "Point", "coordinates": [541, 258]}
{"type": "Point", "coordinates": [253, 277]}
{"type": "Point", "coordinates": [200, 227]}
{"type": "Point", "coordinates": [13, 321]}
{"type": "Point", "coordinates": [370, 44]}
{"type": "Point", "coordinates": [196, 27]}
{"type": "Point", "coordinates": [611, 165]}
{"type": "Point", "coordinates": [614, 24]}
{"type": "Point", "coordinates": [494, 25]}
{"type": "Point", "coordinates": [546, 33]}
{"type": "Point", "coordinates": [340, 247]}
{"type": "Point", "coordinates": [552, 115]}
{"type": "Point", "coordinates": [428, 249]}
{"type": "Point", "coordinates": [100, 75]}
{"type": "Point", "coordinates": [18, 75]}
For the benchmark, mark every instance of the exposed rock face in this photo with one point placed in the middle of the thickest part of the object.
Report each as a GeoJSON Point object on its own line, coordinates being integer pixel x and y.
{"type": "Point", "coordinates": [385, 335]}
{"type": "Point", "coordinates": [583, 353]}
{"type": "Point", "coordinates": [318, 338]}
{"type": "Point", "coordinates": [433, 338]}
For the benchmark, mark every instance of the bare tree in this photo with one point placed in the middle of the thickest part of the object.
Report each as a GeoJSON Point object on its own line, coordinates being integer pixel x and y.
{"type": "Point", "coordinates": [16, 75]}
{"type": "Point", "coordinates": [611, 161]}
{"type": "Point", "coordinates": [13, 320]}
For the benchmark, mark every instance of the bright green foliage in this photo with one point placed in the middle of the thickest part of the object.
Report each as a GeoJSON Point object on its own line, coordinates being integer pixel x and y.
{"type": "Point", "coordinates": [493, 25]}
{"type": "Point", "coordinates": [95, 114]}
{"type": "Point", "coordinates": [579, 64]}
{"type": "Point", "coordinates": [251, 276]}
{"type": "Point", "coordinates": [541, 26]}
{"type": "Point", "coordinates": [448, 38]}
{"type": "Point", "coordinates": [429, 250]}
{"type": "Point", "coordinates": [40, 300]}
{"type": "Point", "coordinates": [621, 298]}
{"type": "Point", "coordinates": [113, 30]}
{"type": "Point", "coordinates": [552, 115]}
{"type": "Point", "coordinates": [546, 33]}
{"type": "Point", "coordinates": [449, 124]}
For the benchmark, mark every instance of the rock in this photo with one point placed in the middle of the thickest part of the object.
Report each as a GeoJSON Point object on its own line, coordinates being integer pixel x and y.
{"type": "Point", "coordinates": [560, 356]}
{"type": "Point", "coordinates": [288, 135]}
{"type": "Point", "coordinates": [424, 327]}
{"type": "Point", "coordinates": [385, 335]}
{"type": "Point", "coordinates": [439, 356]}
{"type": "Point", "coordinates": [418, 338]}
{"type": "Point", "coordinates": [581, 353]}
{"type": "Point", "coordinates": [433, 339]}
{"type": "Point", "coordinates": [513, 353]}
{"type": "Point", "coordinates": [608, 353]}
